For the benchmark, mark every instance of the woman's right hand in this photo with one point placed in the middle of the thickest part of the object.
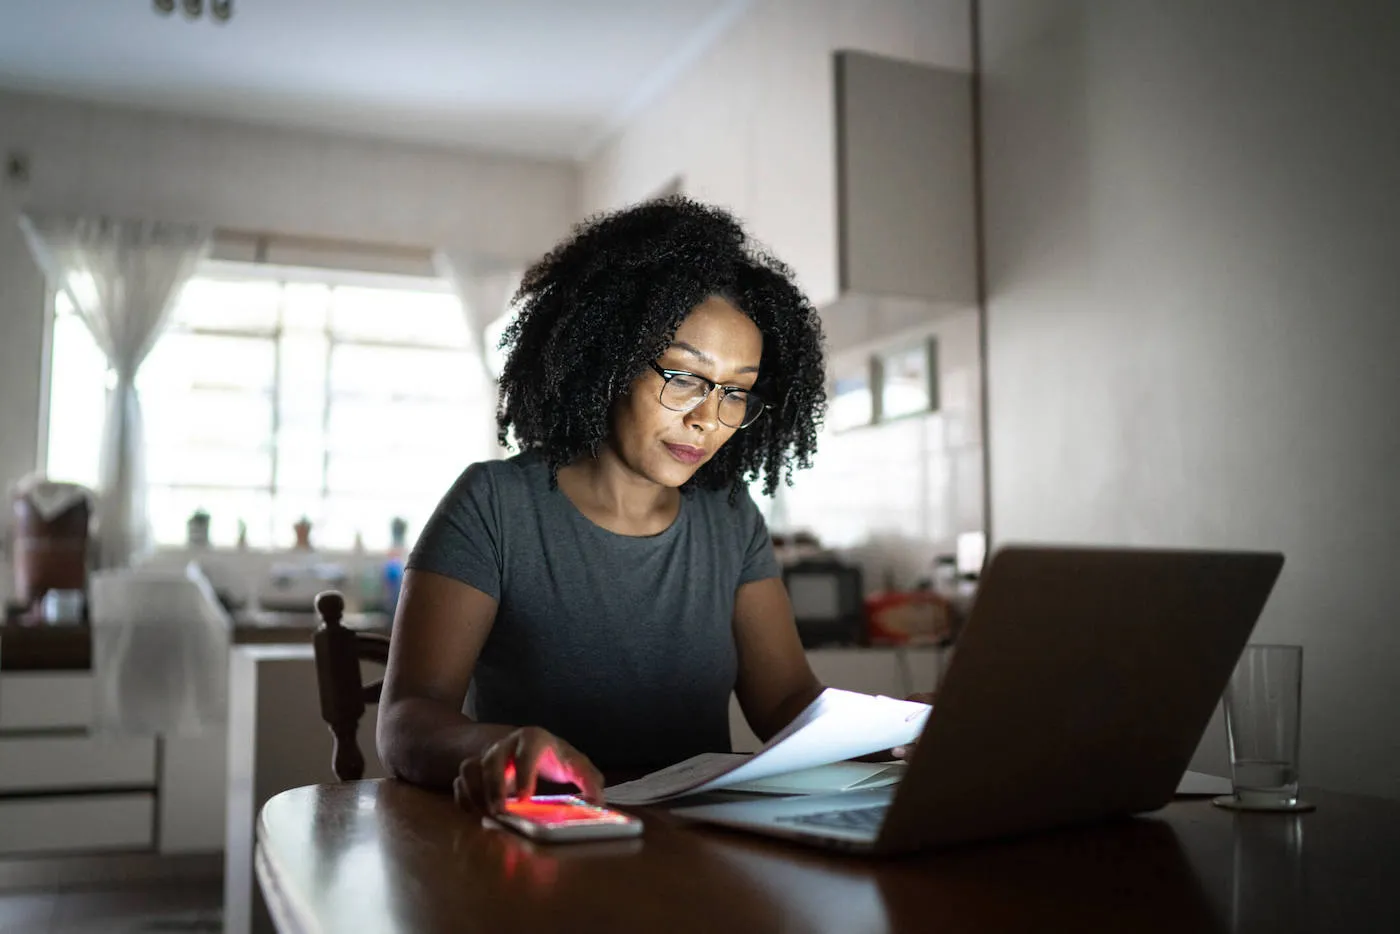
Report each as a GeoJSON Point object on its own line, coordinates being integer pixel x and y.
{"type": "Point", "coordinates": [907, 752]}
{"type": "Point", "coordinates": [511, 765]}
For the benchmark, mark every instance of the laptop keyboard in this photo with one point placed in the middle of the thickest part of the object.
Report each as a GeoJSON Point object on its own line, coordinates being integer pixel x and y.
{"type": "Point", "coordinates": [868, 818]}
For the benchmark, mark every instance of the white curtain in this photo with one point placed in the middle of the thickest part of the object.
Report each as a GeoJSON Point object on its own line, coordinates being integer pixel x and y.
{"type": "Point", "coordinates": [122, 277]}
{"type": "Point", "coordinates": [485, 288]}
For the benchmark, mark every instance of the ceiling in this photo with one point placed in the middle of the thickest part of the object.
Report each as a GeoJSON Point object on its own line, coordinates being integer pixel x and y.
{"type": "Point", "coordinates": [543, 78]}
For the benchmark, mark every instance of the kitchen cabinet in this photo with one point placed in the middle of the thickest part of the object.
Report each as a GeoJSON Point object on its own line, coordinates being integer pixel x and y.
{"type": "Point", "coordinates": [906, 248]}
{"type": "Point", "coordinates": [54, 763]}
{"type": "Point", "coordinates": [45, 700]}
{"type": "Point", "coordinates": [193, 796]}
{"type": "Point", "coordinates": [904, 174]}
{"type": "Point", "coordinates": [71, 823]}
{"type": "Point", "coordinates": [276, 740]}
{"type": "Point", "coordinates": [64, 788]}
{"type": "Point", "coordinates": [61, 788]}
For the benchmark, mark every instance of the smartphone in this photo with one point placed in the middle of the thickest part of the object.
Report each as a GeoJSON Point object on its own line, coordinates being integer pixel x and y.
{"type": "Point", "coordinates": [562, 818]}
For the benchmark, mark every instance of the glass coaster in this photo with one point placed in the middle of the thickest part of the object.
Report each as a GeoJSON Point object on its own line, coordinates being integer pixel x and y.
{"type": "Point", "coordinates": [1230, 802]}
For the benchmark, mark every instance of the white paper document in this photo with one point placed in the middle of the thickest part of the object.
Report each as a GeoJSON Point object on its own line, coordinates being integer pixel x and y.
{"type": "Point", "coordinates": [826, 779]}
{"type": "Point", "coordinates": [837, 725]}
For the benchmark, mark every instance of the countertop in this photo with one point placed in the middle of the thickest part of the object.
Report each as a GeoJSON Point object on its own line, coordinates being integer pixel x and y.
{"type": "Point", "coordinates": [69, 648]}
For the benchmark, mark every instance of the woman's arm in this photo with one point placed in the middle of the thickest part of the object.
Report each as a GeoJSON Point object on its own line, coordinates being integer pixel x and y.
{"type": "Point", "coordinates": [439, 629]}
{"type": "Point", "coordinates": [422, 734]}
{"type": "Point", "coordinates": [774, 683]}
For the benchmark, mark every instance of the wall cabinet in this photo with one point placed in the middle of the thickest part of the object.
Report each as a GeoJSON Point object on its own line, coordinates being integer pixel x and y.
{"type": "Point", "coordinates": [906, 247]}
{"type": "Point", "coordinates": [904, 176]}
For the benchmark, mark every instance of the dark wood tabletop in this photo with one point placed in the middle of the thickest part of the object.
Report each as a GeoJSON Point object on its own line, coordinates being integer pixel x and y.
{"type": "Point", "coordinates": [383, 856]}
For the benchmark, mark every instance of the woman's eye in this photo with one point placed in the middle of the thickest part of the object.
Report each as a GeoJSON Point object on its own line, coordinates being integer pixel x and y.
{"type": "Point", "coordinates": [686, 383]}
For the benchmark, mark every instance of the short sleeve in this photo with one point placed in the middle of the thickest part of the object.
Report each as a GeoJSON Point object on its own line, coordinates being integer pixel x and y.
{"type": "Point", "coordinates": [760, 562]}
{"type": "Point", "coordinates": [462, 538]}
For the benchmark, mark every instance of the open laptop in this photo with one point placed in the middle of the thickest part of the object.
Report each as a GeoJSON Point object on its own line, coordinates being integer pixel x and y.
{"type": "Point", "coordinates": [1082, 683]}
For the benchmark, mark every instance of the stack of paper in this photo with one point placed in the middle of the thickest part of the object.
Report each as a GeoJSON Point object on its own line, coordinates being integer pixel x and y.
{"type": "Point", "coordinates": [826, 779]}
{"type": "Point", "coordinates": [837, 725]}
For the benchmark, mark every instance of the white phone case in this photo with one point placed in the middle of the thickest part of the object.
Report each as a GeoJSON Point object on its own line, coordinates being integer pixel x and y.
{"type": "Point", "coordinates": [565, 833]}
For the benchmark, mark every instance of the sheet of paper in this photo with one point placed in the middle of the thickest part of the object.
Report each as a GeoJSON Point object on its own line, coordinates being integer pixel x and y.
{"type": "Point", "coordinates": [826, 779]}
{"type": "Point", "coordinates": [837, 725]}
{"type": "Point", "coordinates": [676, 779]}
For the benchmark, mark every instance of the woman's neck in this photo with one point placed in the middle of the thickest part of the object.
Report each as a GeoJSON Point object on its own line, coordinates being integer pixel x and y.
{"type": "Point", "coordinates": [616, 497]}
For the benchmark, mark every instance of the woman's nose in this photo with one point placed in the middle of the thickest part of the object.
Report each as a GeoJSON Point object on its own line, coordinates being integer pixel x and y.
{"type": "Point", "coordinates": [705, 416]}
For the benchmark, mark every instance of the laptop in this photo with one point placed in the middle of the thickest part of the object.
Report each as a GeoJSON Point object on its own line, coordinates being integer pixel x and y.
{"type": "Point", "coordinates": [1081, 685]}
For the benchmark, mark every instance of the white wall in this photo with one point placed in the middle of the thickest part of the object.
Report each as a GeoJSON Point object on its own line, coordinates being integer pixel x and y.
{"type": "Point", "coordinates": [751, 125]}
{"type": "Point", "coordinates": [1193, 211]}
{"type": "Point", "coordinates": [894, 496]}
{"type": "Point", "coordinates": [89, 159]}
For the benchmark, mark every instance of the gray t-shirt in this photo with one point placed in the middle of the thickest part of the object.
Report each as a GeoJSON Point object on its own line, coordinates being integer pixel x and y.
{"type": "Point", "coordinates": [621, 645]}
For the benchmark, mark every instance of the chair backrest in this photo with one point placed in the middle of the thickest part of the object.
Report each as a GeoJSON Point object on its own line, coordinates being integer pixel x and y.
{"type": "Point", "coordinates": [344, 694]}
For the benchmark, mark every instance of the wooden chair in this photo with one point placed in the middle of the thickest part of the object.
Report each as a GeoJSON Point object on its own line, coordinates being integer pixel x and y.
{"type": "Point", "coordinates": [344, 694]}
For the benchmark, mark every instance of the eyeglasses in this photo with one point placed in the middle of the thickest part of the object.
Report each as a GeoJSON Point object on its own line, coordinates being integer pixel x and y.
{"type": "Point", "coordinates": [683, 391]}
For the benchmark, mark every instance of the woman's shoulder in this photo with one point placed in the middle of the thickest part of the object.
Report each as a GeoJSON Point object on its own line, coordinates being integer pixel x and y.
{"type": "Point", "coordinates": [514, 469]}
{"type": "Point", "coordinates": [507, 477]}
{"type": "Point", "coordinates": [725, 506]}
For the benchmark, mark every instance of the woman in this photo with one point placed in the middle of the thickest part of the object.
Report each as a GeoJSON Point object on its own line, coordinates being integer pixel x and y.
{"type": "Point", "coordinates": [603, 591]}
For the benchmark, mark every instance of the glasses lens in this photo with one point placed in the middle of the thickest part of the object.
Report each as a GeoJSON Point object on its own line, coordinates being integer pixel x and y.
{"type": "Point", "coordinates": [684, 392]}
{"type": "Point", "coordinates": [739, 409]}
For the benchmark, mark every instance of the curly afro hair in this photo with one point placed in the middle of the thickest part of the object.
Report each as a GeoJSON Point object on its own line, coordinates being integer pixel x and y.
{"type": "Point", "coordinates": [603, 304]}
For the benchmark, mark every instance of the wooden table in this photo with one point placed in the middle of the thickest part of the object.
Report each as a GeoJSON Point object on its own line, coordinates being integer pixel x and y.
{"type": "Point", "coordinates": [382, 856]}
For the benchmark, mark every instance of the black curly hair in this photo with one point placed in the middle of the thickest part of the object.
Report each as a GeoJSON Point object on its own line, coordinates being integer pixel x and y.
{"type": "Point", "coordinates": [603, 304]}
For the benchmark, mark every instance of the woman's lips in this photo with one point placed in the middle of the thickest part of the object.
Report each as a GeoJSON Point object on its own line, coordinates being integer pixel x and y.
{"type": "Point", "coordinates": [685, 453]}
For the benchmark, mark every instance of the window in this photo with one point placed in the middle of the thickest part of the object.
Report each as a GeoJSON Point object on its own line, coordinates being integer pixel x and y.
{"type": "Point", "coordinates": [78, 384]}
{"type": "Point", "coordinates": [281, 393]}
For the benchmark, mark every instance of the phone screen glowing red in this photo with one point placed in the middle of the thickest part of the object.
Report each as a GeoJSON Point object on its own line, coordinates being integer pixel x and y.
{"type": "Point", "coordinates": [566, 817]}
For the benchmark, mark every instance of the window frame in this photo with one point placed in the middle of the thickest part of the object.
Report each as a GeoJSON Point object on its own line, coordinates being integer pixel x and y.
{"type": "Point", "coordinates": [272, 485]}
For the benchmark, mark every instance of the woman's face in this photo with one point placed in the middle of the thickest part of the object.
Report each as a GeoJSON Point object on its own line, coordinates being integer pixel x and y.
{"type": "Point", "coordinates": [716, 341]}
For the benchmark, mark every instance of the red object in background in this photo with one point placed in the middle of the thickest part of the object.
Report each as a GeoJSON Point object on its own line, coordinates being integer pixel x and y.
{"type": "Point", "coordinates": [908, 617]}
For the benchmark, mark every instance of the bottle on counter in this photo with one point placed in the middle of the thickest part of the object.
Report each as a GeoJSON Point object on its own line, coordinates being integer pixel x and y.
{"type": "Point", "coordinates": [367, 595]}
{"type": "Point", "coordinates": [394, 565]}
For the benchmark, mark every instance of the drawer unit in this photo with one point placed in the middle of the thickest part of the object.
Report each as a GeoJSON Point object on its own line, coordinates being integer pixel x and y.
{"type": "Point", "coordinates": [193, 799]}
{"type": "Point", "coordinates": [65, 763]}
{"type": "Point", "coordinates": [32, 700]}
{"type": "Point", "coordinates": [68, 823]}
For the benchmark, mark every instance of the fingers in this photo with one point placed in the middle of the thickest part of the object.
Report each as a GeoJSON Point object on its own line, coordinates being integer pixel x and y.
{"type": "Point", "coordinates": [543, 754]}
{"type": "Point", "coordinates": [483, 782]}
{"type": "Point", "coordinates": [513, 766]}
{"type": "Point", "coordinates": [499, 773]}
{"type": "Point", "coordinates": [460, 795]}
{"type": "Point", "coordinates": [530, 748]}
{"type": "Point", "coordinates": [589, 780]}
{"type": "Point", "coordinates": [570, 765]}
{"type": "Point", "coordinates": [468, 788]}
